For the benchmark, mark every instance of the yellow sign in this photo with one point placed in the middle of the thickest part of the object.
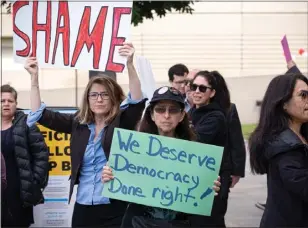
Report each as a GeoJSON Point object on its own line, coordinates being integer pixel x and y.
{"type": "Point", "coordinates": [59, 151]}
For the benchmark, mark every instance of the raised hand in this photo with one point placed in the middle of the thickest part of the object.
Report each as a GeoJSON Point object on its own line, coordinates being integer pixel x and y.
{"type": "Point", "coordinates": [31, 65]}
{"type": "Point", "coordinates": [128, 51]}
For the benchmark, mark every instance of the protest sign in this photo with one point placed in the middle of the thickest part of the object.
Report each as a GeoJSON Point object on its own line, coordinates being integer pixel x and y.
{"type": "Point", "coordinates": [66, 34]}
{"type": "Point", "coordinates": [163, 172]}
{"type": "Point", "coordinates": [286, 49]}
{"type": "Point", "coordinates": [59, 151]}
{"type": "Point", "coordinates": [56, 212]}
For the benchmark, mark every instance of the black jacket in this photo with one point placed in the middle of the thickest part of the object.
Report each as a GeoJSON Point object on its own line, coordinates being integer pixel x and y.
{"type": "Point", "coordinates": [32, 155]}
{"type": "Point", "coordinates": [236, 144]}
{"type": "Point", "coordinates": [287, 181]}
{"type": "Point", "coordinates": [80, 133]}
{"type": "Point", "coordinates": [210, 125]}
{"type": "Point", "coordinates": [293, 69]}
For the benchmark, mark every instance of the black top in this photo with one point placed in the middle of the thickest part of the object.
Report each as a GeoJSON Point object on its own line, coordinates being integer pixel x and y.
{"type": "Point", "coordinates": [287, 182]}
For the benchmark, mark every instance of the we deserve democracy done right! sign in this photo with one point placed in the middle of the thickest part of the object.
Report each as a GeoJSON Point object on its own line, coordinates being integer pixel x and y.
{"type": "Point", "coordinates": [163, 172]}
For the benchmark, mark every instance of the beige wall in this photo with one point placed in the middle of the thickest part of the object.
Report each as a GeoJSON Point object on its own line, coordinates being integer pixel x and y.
{"type": "Point", "coordinates": [240, 39]}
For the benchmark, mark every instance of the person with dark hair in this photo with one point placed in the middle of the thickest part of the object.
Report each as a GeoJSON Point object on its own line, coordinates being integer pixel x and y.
{"type": "Point", "coordinates": [208, 118]}
{"type": "Point", "coordinates": [278, 148]}
{"type": "Point", "coordinates": [188, 93]}
{"type": "Point", "coordinates": [292, 68]}
{"type": "Point", "coordinates": [26, 158]}
{"type": "Point", "coordinates": [236, 144]}
{"type": "Point", "coordinates": [177, 75]}
{"type": "Point", "coordinates": [164, 116]}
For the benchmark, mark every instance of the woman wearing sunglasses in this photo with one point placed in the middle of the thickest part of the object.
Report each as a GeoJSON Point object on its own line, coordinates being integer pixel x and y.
{"type": "Point", "coordinates": [164, 116]}
{"type": "Point", "coordinates": [208, 117]}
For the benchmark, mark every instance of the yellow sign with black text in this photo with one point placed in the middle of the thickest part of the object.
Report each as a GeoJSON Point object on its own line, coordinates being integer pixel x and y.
{"type": "Point", "coordinates": [59, 151]}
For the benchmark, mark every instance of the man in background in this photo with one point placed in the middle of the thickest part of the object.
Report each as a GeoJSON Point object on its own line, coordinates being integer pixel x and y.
{"type": "Point", "coordinates": [177, 76]}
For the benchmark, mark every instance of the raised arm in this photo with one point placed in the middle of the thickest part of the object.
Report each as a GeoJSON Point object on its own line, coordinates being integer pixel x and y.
{"type": "Point", "coordinates": [53, 120]}
{"type": "Point", "coordinates": [128, 50]}
{"type": "Point", "coordinates": [292, 68]}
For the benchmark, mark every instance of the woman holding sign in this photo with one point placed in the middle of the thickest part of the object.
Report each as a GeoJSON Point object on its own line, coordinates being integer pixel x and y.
{"type": "Point", "coordinates": [279, 148]}
{"type": "Point", "coordinates": [91, 130]}
{"type": "Point", "coordinates": [164, 116]}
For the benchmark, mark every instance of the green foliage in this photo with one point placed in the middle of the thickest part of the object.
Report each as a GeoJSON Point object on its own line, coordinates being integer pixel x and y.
{"type": "Point", "coordinates": [146, 9]}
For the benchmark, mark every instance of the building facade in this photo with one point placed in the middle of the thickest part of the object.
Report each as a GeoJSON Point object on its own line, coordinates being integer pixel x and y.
{"type": "Point", "coordinates": [239, 39]}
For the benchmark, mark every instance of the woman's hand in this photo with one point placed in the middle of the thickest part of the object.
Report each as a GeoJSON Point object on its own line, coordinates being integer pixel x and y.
{"type": "Point", "coordinates": [128, 51]}
{"type": "Point", "coordinates": [31, 65]}
{"type": "Point", "coordinates": [107, 174]}
{"type": "Point", "coordinates": [216, 186]}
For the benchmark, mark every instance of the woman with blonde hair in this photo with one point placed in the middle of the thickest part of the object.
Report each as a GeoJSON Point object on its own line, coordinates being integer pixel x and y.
{"type": "Point", "coordinates": [91, 130]}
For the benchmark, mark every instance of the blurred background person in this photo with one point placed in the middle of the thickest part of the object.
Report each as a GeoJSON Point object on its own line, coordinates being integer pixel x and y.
{"type": "Point", "coordinates": [26, 158]}
{"type": "Point", "coordinates": [177, 75]}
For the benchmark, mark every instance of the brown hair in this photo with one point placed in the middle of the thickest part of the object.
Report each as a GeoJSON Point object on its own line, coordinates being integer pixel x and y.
{"type": "Point", "coordinates": [116, 96]}
{"type": "Point", "coordinates": [9, 89]}
{"type": "Point", "coordinates": [182, 131]}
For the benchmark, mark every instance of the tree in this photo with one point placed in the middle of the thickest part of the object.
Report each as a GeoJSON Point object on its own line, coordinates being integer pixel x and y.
{"type": "Point", "coordinates": [146, 10]}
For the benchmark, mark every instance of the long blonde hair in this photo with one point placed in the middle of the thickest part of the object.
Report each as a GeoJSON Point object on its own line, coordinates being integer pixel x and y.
{"type": "Point", "coordinates": [116, 96]}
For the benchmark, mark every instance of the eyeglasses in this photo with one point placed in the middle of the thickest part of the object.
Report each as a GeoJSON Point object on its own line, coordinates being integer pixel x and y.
{"type": "Point", "coordinates": [171, 110]}
{"type": "Point", "coordinates": [95, 95]}
{"type": "Point", "coordinates": [202, 88]}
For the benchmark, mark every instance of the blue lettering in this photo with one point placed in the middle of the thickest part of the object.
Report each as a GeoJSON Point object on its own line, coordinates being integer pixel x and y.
{"type": "Point", "coordinates": [131, 168]}
{"type": "Point", "coordinates": [151, 145]}
{"type": "Point", "coordinates": [116, 186]}
{"type": "Point", "coordinates": [158, 174]}
{"type": "Point", "coordinates": [152, 173]}
{"type": "Point", "coordinates": [182, 154]}
{"type": "Point", "coordinates": [117, 162]}
{"type": "Point", "coordinates": [202, 161]}
{"type": "Point", "coordinates": [210, 161]}
{"type": "Point", "coordinates": [167, 197]}
{"type": "Point", "coordinates": [164, 150]}
{"type": "Point", "coordinates": [142, 170]}
{"type": "Point", "coordinates": [134, 144]}
{"type": "Point", "coordinates": [173, 151]}
{"type": "Point", "coordinates": [184, 178]}
{"type": "Point", "coordinates": [129, 144]}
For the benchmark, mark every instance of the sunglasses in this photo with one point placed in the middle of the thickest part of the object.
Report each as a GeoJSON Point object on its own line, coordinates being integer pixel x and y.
{"type": "Point", "coordinates": [95, 95]}
{"type": "Point", "coordinates": [202, 88]}
{"type": "Point", "coordinates": [171, 110]}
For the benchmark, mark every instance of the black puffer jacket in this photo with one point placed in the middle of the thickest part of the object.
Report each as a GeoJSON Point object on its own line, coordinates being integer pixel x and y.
{"type": "Point", "coordinates": [32, 155]}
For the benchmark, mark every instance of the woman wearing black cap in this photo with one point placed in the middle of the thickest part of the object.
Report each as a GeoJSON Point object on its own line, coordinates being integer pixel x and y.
{"type": "Point", "coordinates": [164, 116]}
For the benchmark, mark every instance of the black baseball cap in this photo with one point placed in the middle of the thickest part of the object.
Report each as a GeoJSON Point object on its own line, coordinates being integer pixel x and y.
{"type": "Point", "coordinates": [168, 93]}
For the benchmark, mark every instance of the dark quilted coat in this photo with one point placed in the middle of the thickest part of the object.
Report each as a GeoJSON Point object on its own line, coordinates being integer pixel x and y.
{"type": "Point", "coordinates": [32, 155]}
